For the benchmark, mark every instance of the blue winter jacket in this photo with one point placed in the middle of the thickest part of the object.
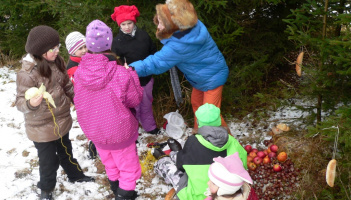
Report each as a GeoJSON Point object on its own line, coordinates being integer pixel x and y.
{"type": "Point", "coordinates": [194, 53]}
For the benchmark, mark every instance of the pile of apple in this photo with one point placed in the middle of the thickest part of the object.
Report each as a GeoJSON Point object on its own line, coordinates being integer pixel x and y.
{"type": "Point", "coordinates": [273, 173]}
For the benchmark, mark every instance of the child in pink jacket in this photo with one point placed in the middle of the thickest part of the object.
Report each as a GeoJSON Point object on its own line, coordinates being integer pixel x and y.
{"type": "Point", "coordinates": [105, 95]}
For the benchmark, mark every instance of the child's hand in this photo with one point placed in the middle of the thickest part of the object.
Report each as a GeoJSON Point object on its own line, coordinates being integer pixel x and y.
{"type": "Point", "coordinates": [126, 66]}
{"type": "Point", "coordinates": [36, 101]}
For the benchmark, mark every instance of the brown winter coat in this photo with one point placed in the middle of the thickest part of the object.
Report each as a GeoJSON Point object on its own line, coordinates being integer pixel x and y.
{"type": "Point", "coordinates": [39, 121]}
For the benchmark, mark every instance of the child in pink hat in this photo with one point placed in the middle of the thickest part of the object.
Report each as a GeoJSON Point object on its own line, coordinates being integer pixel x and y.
{"type": "Point", "coordinates": [105, 96]}
{"type": "Point", "coordinates": [229, 180]}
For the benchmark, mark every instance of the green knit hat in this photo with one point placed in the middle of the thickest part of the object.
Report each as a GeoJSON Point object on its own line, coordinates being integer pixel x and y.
{"type": "Point", "coordinates": [208, 115]}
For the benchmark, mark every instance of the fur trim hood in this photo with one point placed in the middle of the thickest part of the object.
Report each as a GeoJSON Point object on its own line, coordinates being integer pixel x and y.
{"type": "Point", "coordinates": [175, 15]}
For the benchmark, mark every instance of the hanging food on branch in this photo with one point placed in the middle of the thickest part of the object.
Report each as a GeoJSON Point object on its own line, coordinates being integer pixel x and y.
{"type": "Point", "coordinates": [299, 63]}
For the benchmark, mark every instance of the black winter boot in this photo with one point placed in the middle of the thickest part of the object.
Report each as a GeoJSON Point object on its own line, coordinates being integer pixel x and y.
{"type": "Point", "coordinates": [158, 153]}
{"type": "Point", "coordinates": [174, 145]}
{"type": "Point", "coordinates": [92, 150]}
{"type": "Point", "coordinates": [46, 195]}
{"type": "Point", "coordinates": [114, 186]}
{"type": "Point", "coordinates": [126, 194]}
{"type": "Point", "coordinates": [84, 179]}
{"type": "Point", "coordinates": [156, 131]}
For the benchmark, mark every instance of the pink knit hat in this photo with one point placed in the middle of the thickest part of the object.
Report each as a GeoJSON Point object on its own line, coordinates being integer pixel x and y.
{"type": "Point", "coordinates": [124, 13]}
{"type": "Point", "coordinates": [228, 174]}
{"type": "Point", "coordinates": [98, 36]}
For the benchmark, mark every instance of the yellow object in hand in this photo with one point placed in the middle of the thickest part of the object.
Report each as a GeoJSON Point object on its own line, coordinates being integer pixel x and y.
{"type": "Point", "coordinates": [33, 92]}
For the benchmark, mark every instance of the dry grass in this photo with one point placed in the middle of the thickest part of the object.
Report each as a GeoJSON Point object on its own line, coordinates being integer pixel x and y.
{"type": "Point", "coordinates": [23, 173]}
{"type": "Point", "coordinates": [25, 153]}
{"type": "Point", "coordinates": [165, 102]}
{"type": "Point", "coordinates": [311, 157]}
{"type": "Point", "coordinates": [9, 61]}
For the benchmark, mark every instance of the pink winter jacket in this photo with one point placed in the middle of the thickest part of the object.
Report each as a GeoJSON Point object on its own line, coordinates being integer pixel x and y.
{"type": "Point", "coordinates": [105, 92]}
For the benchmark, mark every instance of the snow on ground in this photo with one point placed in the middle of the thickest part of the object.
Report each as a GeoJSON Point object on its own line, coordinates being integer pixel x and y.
{"type": "Point", "coordinates": [18, 166]}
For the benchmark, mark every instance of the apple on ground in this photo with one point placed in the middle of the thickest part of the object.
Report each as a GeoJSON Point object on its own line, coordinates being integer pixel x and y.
{"type": "Point", "coordinates": [274, 148]}
{"type": "Point", "coordinates": [248, 148]}
{"type": "Point", "coordinates": [252, 154]}
{"type": "Point", "coordinates": [255, 150]}
{"type": "Point", "coordinates": [252, 166]}
{"type": "Point", "coordinates": [277, 168]}
{"type": "Point", "coordinates": [272, 155]}
{"type": "Point", "coordinates": [249, 159]}
{"type": "Point", "coordinates": [261, 154]}
{"type": "Point", "coordinates": [282, 156]}
{"type": "Point", "coordinates": [257, 160]}
{"type": "Point", "coordinates": [266, 160]}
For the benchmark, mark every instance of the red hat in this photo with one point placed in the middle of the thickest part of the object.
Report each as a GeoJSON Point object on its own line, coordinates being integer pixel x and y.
{"type": "Point", "coordinates": [124, 13]}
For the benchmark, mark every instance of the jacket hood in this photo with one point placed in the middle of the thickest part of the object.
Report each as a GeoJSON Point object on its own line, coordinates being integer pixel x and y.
{"type": "Point", "coordinates": [28, 62]}
{"type": "Point", "coordinates": [218, 136]}
{"type": "Point", "coordinates": [95, 71]}
{"type": "Point", "coordinates": [198, 35]}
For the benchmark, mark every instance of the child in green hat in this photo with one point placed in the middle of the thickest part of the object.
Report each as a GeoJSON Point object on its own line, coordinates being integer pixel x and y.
{"type": "Point", "coordinates": [187, 169]}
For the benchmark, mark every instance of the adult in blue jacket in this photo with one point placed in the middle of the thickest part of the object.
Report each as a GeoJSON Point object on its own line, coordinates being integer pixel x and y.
{"type": "Point", "coordinates": [189, 46]}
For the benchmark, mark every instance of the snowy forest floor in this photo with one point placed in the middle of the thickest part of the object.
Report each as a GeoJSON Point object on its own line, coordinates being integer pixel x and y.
{"type": "Point", "coordinates": [19, 170]}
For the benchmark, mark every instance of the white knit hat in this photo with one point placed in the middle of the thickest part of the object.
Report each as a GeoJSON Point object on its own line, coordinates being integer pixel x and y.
{"type": "Point", "coordinates": [228, 174]}
{"type": "Point", "coordinates": [74, 41]}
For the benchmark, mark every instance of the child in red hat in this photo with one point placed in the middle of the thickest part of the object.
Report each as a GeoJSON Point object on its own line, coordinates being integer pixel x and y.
{"type": "Point", "coordinates": [132, 44]}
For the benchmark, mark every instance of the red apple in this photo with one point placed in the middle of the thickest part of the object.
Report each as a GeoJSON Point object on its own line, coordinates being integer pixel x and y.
{"type": "Point", "coordinates": [248, 148]}
{"type": "Point", "coordinates": [272, 155]}
{"type": "Point", "coordinates": [252, 154]}
{"type": "Point", "coordinates": [261, 154]}
{"type": "Point", "coordinates": [252, 166]}
{"type": "Point", "coordinates": [274, 148]}
{"type": "Point", "coordinates": [277, 168]}
{"type": "Point", "coordinates": [266, 160]}
{"type": "Point", "coordinates": [257, 160]}
{"type": "Point", "coordinates": [255, 150]}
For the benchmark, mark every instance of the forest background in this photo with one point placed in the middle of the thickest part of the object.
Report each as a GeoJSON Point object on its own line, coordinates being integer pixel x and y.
{"type": "Point", "coordinates": [260, 40]}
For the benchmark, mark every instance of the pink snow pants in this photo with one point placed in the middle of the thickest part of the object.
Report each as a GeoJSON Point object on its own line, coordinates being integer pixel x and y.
{"type": "Point", "coordinates": [122, 165]}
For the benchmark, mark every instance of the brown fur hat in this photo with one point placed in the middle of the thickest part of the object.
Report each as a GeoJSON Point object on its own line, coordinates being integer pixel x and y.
{"type": "Point", "coordinates": [175, 15]}
{"type": "Point", "coordinates": [183, 13]}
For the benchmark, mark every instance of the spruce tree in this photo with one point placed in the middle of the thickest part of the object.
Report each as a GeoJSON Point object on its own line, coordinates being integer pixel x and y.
{"type": "Point", "coordinates": [321, 29]}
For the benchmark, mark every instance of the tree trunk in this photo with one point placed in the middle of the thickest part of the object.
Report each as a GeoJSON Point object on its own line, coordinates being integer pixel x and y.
{"type": "Point", "coordinates": [325, 18]}
{"type": "Point", "coordinates": [340, 11]}
{"type": "Point", "coordinates": [319, 101]}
